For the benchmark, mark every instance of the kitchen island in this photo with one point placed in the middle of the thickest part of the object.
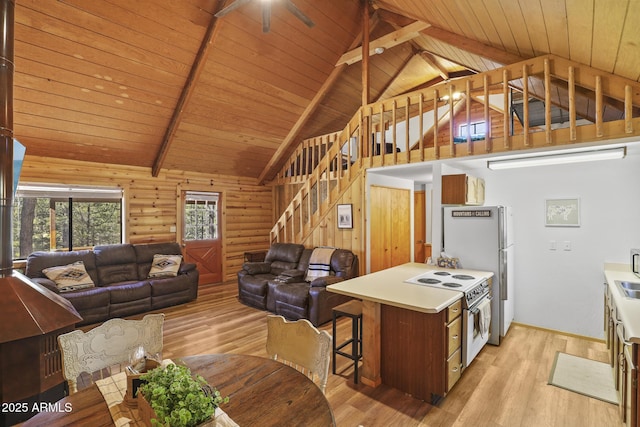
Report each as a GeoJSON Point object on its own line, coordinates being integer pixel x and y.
{"type": "Point", "coordinates": [411, 333]}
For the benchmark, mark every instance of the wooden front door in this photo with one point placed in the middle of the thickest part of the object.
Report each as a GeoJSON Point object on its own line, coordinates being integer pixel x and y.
{"type": "Point", "coordinates": [390, 227]}
{"type": "Point", "coordinates": [201, 236]}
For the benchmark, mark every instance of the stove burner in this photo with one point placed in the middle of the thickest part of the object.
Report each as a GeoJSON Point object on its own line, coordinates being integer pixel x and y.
{"type": "Point", "coordinates": [429, 281]}
{"type": "Point", "coordinates": [463, 277]}
{"type": "Point", "coordinates": [442, 273]}
{"type": "Point", "coordinates": [451, 284]}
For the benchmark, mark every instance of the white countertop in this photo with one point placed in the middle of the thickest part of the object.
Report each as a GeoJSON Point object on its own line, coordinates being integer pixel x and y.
{"type": "Point", "coordinates": [628, 308]}
{"type": "Point", "coordinates": [388, 287]}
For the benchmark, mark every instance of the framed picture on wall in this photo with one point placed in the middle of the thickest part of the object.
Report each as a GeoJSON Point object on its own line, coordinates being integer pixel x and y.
{"type": "Point", "coordinates": [345, 216]}
{"type": "Point", "coordinates": [562, 213]}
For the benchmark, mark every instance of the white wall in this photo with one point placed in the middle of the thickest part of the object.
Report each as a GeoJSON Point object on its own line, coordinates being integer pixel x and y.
{"type": "Point", "coordinates": [563, 290]}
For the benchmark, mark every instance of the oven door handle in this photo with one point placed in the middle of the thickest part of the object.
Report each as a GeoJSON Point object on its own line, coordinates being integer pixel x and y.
{"type": "Point", "coordinates": [474, 308]}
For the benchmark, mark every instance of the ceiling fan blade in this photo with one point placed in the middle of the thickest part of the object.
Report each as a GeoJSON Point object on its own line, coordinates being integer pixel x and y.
{"type": "Point", "coordinates": [298, 13]}
{"type": "Point", "coordinates": [233, 6]}
{"type": "Point", "coordinates": [266, 16]}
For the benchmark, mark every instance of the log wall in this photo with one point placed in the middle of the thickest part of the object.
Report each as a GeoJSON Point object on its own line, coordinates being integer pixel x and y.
{"type": "Point", "coordinates": [151, 207]}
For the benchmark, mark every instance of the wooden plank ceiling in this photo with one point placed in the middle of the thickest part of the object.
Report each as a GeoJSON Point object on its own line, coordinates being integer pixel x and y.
{"type": "Point", "coordinates": [164, 84]}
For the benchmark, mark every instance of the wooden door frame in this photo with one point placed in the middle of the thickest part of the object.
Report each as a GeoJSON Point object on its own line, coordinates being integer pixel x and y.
{"type": "Point", "coordinates": [181, 189]}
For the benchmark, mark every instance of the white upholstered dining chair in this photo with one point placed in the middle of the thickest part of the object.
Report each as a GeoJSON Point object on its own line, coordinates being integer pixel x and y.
{"type": "Point", "coordinates": [108, 345]}
{"type": "Point", "coordinates": [300, 345]}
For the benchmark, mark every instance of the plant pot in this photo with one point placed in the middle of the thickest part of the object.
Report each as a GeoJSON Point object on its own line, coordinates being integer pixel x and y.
{"type": "Point", "coordinates": [145, 411]}
{"type": "Point", "coordinates": [133, 382]}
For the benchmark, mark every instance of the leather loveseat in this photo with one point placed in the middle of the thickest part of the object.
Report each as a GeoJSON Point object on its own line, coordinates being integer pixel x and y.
{"type": "Point", "coordinates": [120, 274]}
{"type": "Point", "coordinates": [278, 284]}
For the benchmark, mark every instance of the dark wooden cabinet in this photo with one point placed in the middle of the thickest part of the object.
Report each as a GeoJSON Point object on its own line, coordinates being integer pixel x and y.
{"type": "Point", "coordinates": [462, 189]}
{"type": "Point", "coordinates": [421, 352]}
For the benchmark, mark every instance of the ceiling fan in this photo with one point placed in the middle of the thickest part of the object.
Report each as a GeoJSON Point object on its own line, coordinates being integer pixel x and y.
{"type": "Point", "coordinates": [266, 12]}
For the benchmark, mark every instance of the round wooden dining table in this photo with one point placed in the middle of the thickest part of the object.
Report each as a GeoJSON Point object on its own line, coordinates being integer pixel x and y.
{"type": "Point", "coordinates": [262, 392]}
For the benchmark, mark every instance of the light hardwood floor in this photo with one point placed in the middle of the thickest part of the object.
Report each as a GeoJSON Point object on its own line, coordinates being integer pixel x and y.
{"type": "Point", "coordinates": [505, 386]}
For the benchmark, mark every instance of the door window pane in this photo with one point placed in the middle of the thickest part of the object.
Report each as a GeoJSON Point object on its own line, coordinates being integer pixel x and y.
{"type": "Point", "coordinates": [201, 216]}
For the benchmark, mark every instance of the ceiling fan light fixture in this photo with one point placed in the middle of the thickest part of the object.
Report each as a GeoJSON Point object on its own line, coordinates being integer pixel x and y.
{"type": "Point", "coordinates": [266, 12]}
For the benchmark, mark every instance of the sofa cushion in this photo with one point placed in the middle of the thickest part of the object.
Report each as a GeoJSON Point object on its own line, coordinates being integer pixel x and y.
{"type": "Point", "coordinates": [69, 277]}
{"type": "Point", "coordinates": [284, 252]}
{"type": "Point", "coordinates": [91, 298]}
{"type": "Point", "coordinates": [38, 261]}
{"type": "Point", "coordinates": [116, 263]}
{"type": "Point", "coordinates": [146, 251]}
{"type": "Point", "coordinates": [132, 291]}
{"type": "Point", "coordinates": [165, 265]}
{"type": "Point", "coordinates": [296, 294]}
{"type": "Point", "coordinates": [292, 300]}
{"type": "Point", "coordinates": [342, 263]}
{"type": "Point", "coordinates": [303, 263]}
{"type": "Point", "coordinates": [256, 284]}
{"type": "Point", "coordinates": [278, 267]}
{"type": "Point", "coordinates": [163, 286]}
{"type": "Point", "coordinates": [257, 267]}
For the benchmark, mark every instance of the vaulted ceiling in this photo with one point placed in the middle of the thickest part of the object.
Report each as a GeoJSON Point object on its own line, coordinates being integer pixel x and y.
{"type": "Point", "coordinates": [165, 84]}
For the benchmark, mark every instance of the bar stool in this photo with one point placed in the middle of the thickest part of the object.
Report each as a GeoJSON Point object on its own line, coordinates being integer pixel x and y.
{"type": "Point", "coordinates": [352, 310]}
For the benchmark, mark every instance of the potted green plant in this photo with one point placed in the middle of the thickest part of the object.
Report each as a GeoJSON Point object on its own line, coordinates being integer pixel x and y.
{"type": "Point", "coordinates": [171, 397]}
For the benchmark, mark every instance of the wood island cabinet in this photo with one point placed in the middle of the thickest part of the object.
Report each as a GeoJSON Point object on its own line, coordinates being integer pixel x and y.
{"type": "Point", "coordinates": [462, 189]}
{"type": "Point", "coordinates": [421, 353]}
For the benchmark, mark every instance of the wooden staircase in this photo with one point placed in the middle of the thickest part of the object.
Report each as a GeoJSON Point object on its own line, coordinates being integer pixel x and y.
{"type": "Point", "coordinates": [418, 127]}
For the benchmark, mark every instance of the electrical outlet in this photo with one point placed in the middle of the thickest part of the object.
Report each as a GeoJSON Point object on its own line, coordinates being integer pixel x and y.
{"type": "Point", "coordinates": [172, 229]}
{"type": "Point", "coordinates": [566, 245]}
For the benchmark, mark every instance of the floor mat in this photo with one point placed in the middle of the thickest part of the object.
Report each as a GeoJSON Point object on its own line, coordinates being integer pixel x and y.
{"type": "Point", "coordinates": [584, 376]}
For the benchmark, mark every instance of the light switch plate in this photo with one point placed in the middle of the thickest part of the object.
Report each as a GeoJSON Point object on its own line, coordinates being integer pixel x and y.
{"type": "Point", "coordinates": [566, 245]}
{"type": "Point", "coordinates": [552, 245]}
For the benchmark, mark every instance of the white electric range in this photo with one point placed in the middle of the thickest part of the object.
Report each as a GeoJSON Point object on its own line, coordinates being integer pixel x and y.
{"type": "Point", "coordinates": [474, 285]}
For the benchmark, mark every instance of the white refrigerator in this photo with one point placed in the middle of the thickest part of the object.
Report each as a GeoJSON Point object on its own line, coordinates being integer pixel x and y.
{"type": "Point", "coordinates": [481, 237]}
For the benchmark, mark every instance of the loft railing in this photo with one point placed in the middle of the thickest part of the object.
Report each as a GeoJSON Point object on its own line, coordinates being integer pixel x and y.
{"type": "Point", "coordinates": [519, 105]}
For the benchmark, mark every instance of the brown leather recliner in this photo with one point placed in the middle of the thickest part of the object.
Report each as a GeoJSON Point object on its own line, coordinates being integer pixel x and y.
{"type": "Point", "coordinates": [311, 300]}
{"type": "Point", "coordinates": [254, 276]}
{"type": "Point", "coordinates": [278, 284]}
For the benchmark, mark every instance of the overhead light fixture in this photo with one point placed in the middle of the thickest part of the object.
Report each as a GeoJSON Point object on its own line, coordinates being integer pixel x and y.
{"type": "Point", "coordinates": [379, 50]}
{"type": "Point", "coordinates": [445, 98]}
{"type": "Point", "coordinates": [558, 159]}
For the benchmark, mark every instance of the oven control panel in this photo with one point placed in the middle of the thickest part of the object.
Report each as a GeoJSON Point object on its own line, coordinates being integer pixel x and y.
{"type": "Point", "coordinates": [475, 294]}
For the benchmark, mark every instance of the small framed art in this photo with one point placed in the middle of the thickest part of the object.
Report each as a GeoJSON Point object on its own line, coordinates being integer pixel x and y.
{"type": "Point", "coordinates": [345, 216]}
{"type": "Point", "coordinates": [562, 213]}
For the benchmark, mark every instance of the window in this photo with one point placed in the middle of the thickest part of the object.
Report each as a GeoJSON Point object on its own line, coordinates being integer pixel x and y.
{"type": "Point", "coordinates": [57, 218]}
{"type": "Point", "coordinates": [477, 130]}
{"type": "Point", "coordinates": [201, 216]}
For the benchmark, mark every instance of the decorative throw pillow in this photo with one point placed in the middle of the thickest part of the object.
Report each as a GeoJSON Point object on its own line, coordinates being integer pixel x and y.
{"type": "Point", "coordinates": [69, 277]}
{"type": "Point", "coordinates": [165, 265]}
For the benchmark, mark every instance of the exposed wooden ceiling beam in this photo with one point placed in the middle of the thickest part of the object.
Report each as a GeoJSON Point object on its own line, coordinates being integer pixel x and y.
{"type": "Point", "coordinates": [194, 73]}
{"type": "Point", "coordinates": [290, 139]}
{"type": "Point", "coordinates": [395, 76]}
{"type": "Point", "coordinates": [431, 60]}
{"type": "Point", "coordinates": [395, 19]}
{"type": "Point", "coordinates": [485, 51]}
{"type": "Point", "coordinates": [387, 41]}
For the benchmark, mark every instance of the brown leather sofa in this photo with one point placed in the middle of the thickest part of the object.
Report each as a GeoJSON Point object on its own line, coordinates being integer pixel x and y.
{"type": "Point", "coordinates": [119, 272]}
{"type": "Point", "coordinates": [278, 284]}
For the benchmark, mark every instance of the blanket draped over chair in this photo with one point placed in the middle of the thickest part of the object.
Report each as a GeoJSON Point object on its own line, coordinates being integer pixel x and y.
{"type": "Point", "coordinates": [319, 263]}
